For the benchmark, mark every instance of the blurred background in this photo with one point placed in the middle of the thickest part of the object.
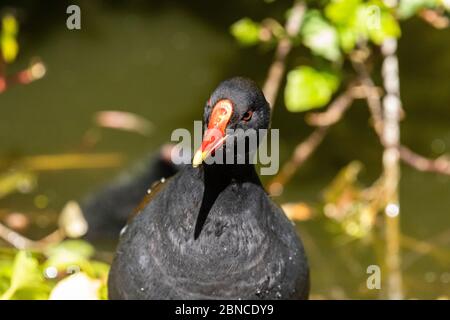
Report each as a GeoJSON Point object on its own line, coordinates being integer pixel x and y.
{"type": "Point", "coordinates": [158, 61]}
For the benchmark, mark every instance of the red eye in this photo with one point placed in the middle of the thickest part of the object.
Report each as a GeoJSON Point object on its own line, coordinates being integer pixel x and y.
{"type": "Point", "coordinates": [247, 116]}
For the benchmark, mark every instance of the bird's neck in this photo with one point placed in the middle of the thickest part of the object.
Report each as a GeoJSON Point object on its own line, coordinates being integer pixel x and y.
{"type": "Point", "coordinates": [232, 172]}
{"type": "Point", "coordinates": [216, 179]}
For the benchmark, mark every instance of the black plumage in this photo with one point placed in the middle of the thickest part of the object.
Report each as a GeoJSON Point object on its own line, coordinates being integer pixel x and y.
{"type": "Point", "coordinates": [212, 232]}
{"type": "Point", "coordinates": [108, 209]}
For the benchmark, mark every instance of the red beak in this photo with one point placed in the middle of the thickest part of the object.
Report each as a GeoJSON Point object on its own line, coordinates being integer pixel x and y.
{"type": "Point", "coordinates": [214, 136]}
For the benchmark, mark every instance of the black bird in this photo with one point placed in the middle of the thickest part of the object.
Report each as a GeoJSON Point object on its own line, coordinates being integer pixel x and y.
{"type": "Point", "coordinates": [211, 231]}
{"type": "Point", "coordinates": [108, 209]}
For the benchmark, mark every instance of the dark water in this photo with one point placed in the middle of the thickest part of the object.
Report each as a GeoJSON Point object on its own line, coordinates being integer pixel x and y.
{"type": "Point", "coordinates": [161, 62]}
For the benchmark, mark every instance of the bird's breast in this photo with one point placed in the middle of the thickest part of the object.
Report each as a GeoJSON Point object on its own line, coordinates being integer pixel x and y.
{"type": "Point", "coordinates": [236, 253]}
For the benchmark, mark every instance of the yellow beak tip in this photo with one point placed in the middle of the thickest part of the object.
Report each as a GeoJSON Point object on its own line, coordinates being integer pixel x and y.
{"type": "Point", "coordinates": [198, 159]}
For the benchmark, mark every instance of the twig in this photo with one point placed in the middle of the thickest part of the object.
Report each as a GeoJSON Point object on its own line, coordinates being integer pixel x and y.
{"type": "Point", "coordinates": [442, 239]}
{"type": "Point", "coordinates": [391, 167]}
{"type": "Point", "coordinates": [20, 242]}
{"type": "Point", "coordinates": [15, 239]}
{"type": "Point", "coordinates": [372, 95]}
{"type": "Point", "coordinates": [425, 248]}
{"type": "Point", "coordinates": [440, 165]}
{"type": "Point", "coordinates": [276, 70]}
{"type": "Point", "coordinates": [436, 19]}
{"type": "Point", "coordinates": [301, 153]}
{"type": "Point", "coordinates": [332, 115]}
{"type": "Point", "coordinates": [308, 146]}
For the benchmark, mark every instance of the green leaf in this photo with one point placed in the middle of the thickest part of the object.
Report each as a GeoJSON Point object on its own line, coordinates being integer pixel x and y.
{"type": "Point", "coordinates": [78, 247]}
{"type": "Point", "coordinates": [342, 11]}
{"type": "Point", "coordinates": [100, 269]}
{"type": "Point", "coordinates": [38, 293]}
{"type": "Point", "coordinates": [347, 38]}
{"type": "Point", "coordinates": [6, 267]}
{"type": "Point", "coordinates": [25, 274]}
{"type": "Point", "coordinates": [308, 88]}
{"type": "Point", "coordinates": [356, 20]}
{"type": "Point", "coordinates": [320, 36]}
{"type": "Point", "coordinates": [8, 41]}
{"type": "Point", "coordinates": [25, 270]}
{"type": "Point", "coordinates": [10, 25]}
{"type": "Point", "coordinates": [10, 48]}
{"type": "Point", "coordinates": [378, 21]}
{"type": "Point", "coordinates": [22, 274]}
{"type": "Point", "coordinates": [69, 253]}
{"type": "Point", "coordinates": [246, 31]}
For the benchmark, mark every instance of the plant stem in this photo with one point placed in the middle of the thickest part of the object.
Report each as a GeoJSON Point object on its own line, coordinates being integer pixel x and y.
{"type": "Point", "coordinates": [14, 238]}
{"type": "Point", "coordinates": [276, 70]}
{"type": "Point", "coordinates": [301, 153]}
{"type": "Point", "coordinates": [8, 293]}
{"type": "Point", "coordinates": [440, 165]}
{"type": "Point", "coordinates": [391, 167]}
{"type": "Point", "coordinates": [22, 243]}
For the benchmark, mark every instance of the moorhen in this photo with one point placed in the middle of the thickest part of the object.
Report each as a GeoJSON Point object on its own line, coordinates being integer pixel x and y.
{"type": "Point", "coordinates": [211, 231]}
{"type": "Point", "coordinates": [108, 209]}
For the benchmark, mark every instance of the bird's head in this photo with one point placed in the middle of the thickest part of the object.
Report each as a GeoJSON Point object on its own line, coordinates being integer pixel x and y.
{"type": "Point", "coordinates": [235, 104]}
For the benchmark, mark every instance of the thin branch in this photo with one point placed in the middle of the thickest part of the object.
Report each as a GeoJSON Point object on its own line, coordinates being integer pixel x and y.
{"type": "Point", "coordinates": [304, 150]}
{"type": "Point", "coordinates": [20, 242]}
{"type": "Point", "coordinates": [425, 248]}
{"type": "Point", "coordinates": [435, 18]}
{"type": "Point", "coordinates": [440, 165]}
{"type": "Point", "coordinates": [391, 167]}
{"type": "Point", "coordinates": [15, 239]}
{"type": "Point", "coordinates": [333, 115]}
{"type": "Point", "coordinates": [276, 70]}
{"type": "Point", "coordinates": [373, 96]}
{"type": "Point", "coordinates": [301, 153]}
{"type": "Point", "coordinates": [440, 240]}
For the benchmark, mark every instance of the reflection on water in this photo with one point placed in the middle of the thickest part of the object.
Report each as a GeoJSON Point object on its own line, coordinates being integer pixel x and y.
{"type": "Point", "coordinates": [161, 63]}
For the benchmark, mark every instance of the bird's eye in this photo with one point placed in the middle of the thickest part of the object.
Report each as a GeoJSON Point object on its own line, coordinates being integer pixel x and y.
{"type": "Point", "coordinates": [247, 116]}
